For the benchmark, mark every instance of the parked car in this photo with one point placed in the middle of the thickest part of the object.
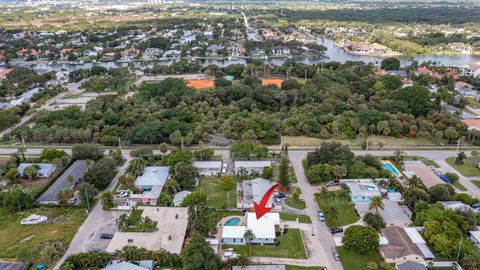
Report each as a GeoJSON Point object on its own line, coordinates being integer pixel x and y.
{"type": "Point", "coordinates": [336, 230]}
{"type": "Point", "coordinates": [332, 183]}
{"type": "Point", "coordinates": [72, 200]}
{"type": "Point", "coordinates": [106, 236]}
{"type": "Point", "coordinates": [321, 216]}
{"type": "Point", "coordinates": [280, 195]}
{"type": "Point", "coordinates": [122, 194]}
{"type": "Point", "coordinates": [278, 201]}
{"type": "Point", "coordinates": [336, 256]}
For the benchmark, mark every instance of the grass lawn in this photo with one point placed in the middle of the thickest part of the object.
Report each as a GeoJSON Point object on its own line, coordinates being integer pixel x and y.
{"type": "Point", "coordinates": [295, 203]}
{"type": "Point", "coordinates": [353, 261]}
{"type": "Point", "coordinates": [473, 103]}
{"type": "Point", "coordinates": [293, 217]}
{"type": "Point", "coordinates": [291, 246]}
{"type": "Point", "coordinates": [216, 196]}
{"type": "Point", "coordinates": [459, 186]}
{"type": "Point", "coordinates": [466, 169]}
{"type": "Point", "coordinates": [23, 242]}
{"type": "Point", "coordinates": [346, 211]}
{"type": "Point", "coordinates": [374, 141]}
{"type": "Point", "coordinates": [476, 183]}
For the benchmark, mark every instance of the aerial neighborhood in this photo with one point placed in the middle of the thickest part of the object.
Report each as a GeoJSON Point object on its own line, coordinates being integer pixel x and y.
{"type": "Point", "coordinates": [244, 135]}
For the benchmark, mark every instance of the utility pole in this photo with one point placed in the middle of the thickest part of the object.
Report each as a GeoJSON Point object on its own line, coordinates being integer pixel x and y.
{"type": "Point", "coordinates": [24, 146]}
{"type": "Point", "coordinates": [367, 143]}
{"type": "Point", "coordinates": [88, 201]}
{"type": "Point", "coordinates": [306, 75]}
{"type": "Point", "coordinates": [120, 143]}
{"type": "Point", "coordinates": [458, 144]}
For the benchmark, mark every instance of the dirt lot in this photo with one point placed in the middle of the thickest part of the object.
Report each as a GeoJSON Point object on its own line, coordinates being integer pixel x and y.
{"type": "Point", "coordinates": [277, 82]}
{"type": "Point", "coordinates": [200, 84]}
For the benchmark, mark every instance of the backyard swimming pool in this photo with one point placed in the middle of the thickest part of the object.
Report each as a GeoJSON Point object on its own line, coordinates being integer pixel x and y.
{"type": "Point", "coordinates": [389, 167]}
{"type": "Point", "coordinates": [232, 222]}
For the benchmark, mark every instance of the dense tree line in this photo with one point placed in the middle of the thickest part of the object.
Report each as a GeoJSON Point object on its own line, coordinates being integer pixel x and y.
{"type": "Point", "coordinates": [339, 101]}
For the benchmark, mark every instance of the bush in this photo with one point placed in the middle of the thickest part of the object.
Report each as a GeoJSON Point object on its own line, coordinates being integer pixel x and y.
{"type": "Point", "coordinates": [86, 151]}
{"type": "Point", "coordinates": [374, 220]}
{"type": "Point", "coordinates": [465, 198]}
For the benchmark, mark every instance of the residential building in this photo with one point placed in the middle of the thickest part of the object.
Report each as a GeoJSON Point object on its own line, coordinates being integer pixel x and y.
{"type": "Point", "coordinates": [362, 190]}
{"type": "Point", "coordinates": [395, 215]}
{"type": "Point", "coordinates": [472, 69]}
{"type": "Point", "coordinates": [171, 225]}
{"type": "Point", "coordinates": [260, 267]}
{"type": "Point", "coordinates": [235, 50]}
{"type": "Point", "coordinates": [214, 50]}
{"type": "Point", "coordinates": [474, 237]}
{"type": "Point", "coordinates": [464, 88]}
{"type": "Point", "coordinates": [455, 205]}
{"type": "Point", "coordinates": [209, 168]}
{"type": "Point", "coordinates": [152, 53]}
{"type": "Point", "coordinates": [263, 228]}
{"type": "Point", "coordinates": [250, 191]}
{"type": "Point", "coordinates": [11, 266]}
{"type": "Point", "coordinates": [119, 265]}
{"type": "Point", "coordinates": [44, 169]}
{"type": "Point", "coordinates": [250, 166]}
{"type": "Point", "coordinates": [150, 183]}
{"type": "Point", "coordinates": [4, 73]}
{"type": "Point", "coordinates": [404, 244]}
{"type": "Point", "coordinates": [428, 177]}
{"type": "Point", "coordinates": [280, 51]}
{"type": "Point", "coordinates": [130, 53]}
{"type": "Point", "coordinates": [178, 198]}
{"type": "Point", "coordinates": [411, 266]}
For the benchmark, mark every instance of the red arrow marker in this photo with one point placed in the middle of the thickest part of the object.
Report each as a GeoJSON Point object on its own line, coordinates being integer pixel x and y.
{"type": "Point", "coordinates": [261, 209]}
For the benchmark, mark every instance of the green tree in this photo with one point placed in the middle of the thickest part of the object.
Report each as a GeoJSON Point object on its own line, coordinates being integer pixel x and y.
{"type": "Point", "coordinates": [283, 177]}
{"type": "Point", "coordinates": [267, 173]}
{"type": "Point", "coordinates": [200, 219]}
{"type": "Point", "coordinates": [198, 255]}
{"type": "Point", "coordinates": [146, 224]}
{"type": "Point", "coordinates": [399, 155]}
{"type": "Point", "coordinates": [391, 63]}
{"type": "Point", "coordinates": [64, 195]}
{"type": "Point", "coordinates": [107, 200]}
{"type": "Point", "coordinates": [136, 166]}
{"type": "Point", "coordinates": [177, 156]}
{"type": "Point", "coordinates": [186, 175]}
{"type": "Point", "coordinates": [362, 240]}
{"type": "Point", "coordinates": [227, 183]}
{"type": "Point", "coordinates": [195, 198]}
{"type": "Point", "coordinates": [339, 171]}
{"type": "Point", "coordinates": [12, 174]}
{"type": "Point", "coordinates": [460, 158]}
{"type": "Point", "coordinates": [163, 148]}
{"type": "Point", "coordinates": [31, 172]}
{"type": "Point", "coordinates": [319, 173]}
{"type": "Point", "coordinates": [249, 236]}
{"type": "Point", "coordinates": [331, 213]}
{"type": "Point", "coordinates": [87, 193]}
{"type": "Point", "coordinates": [101, 173]}
{"type": "Point", "coordinates": [248, 150]}
{"type": "Point", "coordinates": [122, 222]}
{"type": "Point", "coordinates": [333, 153]}
{"type": "Point", "coordinates": [50, 154]}
{"type": "Point", "coordinates": [376, 204]}
{"type": "Point", "coordinates": [142, 152]}
{"type": "Point", "coordinates": [416, 97]}
{"type": "Point", "coordinates": [374, 220]}
{"type": "Point", "coordinates": [16, 200]}
{"type": "Point", "coordinates": [86, 151]}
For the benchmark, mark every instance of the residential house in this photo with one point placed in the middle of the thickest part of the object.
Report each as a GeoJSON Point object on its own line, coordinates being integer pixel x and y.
{"type": "Point", "coordinates": [426, 71]}
{"type": "Point", "coordinates": [407, 83]}
{"type": "Point", "coordinates": [249, 166]}
{"type": "Point", "coordinates": [152, 53]}
{"type": "Point", "coordinates": [130, 53]}
{"type": "Point", "coordinates": [150, 183]}
{"type": "Point", "coordinates": [4, 73]}
{"type": "Point", "coordinates": [428, 177]}
{"type": "Point", "coordinates": [122, 265]}
{"type": "Point", "coordinates": [214, 50]}
{"type": "Point", "coordinates": [259, 267]}
{"type": "Point", "coordinates": [44, 169]}
{"type": "Point", "coordinates": [464, 88]}
{"type": "Point", "coordinates": [411, 266]}
{"type": "Point", "coordinates": [280, 51]}
{"type": "Point", "coordinates": [251, 191]}
{"type": "Point", "coordinates": [268, 34]}
{"type": "Point", "coordinates": [11, 266]}
{"type": "Point", "coordinates": [263, 228]}
{"type": "Point", "coordinates": [400, 73]}
{"type": "Point", "coordinates": [472, 69]}
{"type": "Point", "coordinates": [362, 190]}
{"type": "Point", "coordinates": [395, 215]}
{"type": "Point", "coordinates": [170, 234]}
{"type": "Point", "coordinates": [378, 48]}
{"type": "Point", "coordinates": [179, 197]}
{"type": "Point", "coordinates": [404, 244]}
{"type": "Point", "coordinates": [236, 50]}
{"type": "Point", "coordinates": [474, 237]}
{"type": "Point", "coordinates": [209, 168]}
{"type": "Point", "coordinates": [455, 205]}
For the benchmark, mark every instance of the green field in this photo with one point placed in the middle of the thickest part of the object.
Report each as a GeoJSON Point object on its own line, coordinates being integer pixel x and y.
{"type": "Point", "coordinates": [293, 217]}
{"type": "Point", "coordinates": [291, 246]}
{"type": "Point", "coordinates": [473, 103]}
{"type": "Point", "coordinates": [346, 211]}
{"type": "Point", "coordinates": [25, 242]}
{"type": "Point", "coordinates": [294, 267]}
{"type": "Point", "coordinates": [466, 169]}
{"type": "Point", "coordinates": [476, 183]}
{"type": "Point", "coordinates": [353, 261]}
{"type": "Point", "coordinates": [216, 196]}
{"type": "Point", "coordinates": [374, 142]}
{"type": "Point", "coordinates": [459, 186]}
{"type": "Point", "coordinates": [298, 203]}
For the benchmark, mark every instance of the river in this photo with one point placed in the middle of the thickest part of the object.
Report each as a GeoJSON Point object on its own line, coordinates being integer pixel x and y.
{"type": "Point", "coordinates": [333, 53]}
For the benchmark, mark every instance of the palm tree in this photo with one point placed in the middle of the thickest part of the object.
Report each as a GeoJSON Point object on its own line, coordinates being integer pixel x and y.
{"type": "Point", "coordinates": [249, 236]}
{"type": "Point", "coordinates": [398, 155]}
{"type": "Point", "coordinates": [460, 158]}
{"type": "Point", "coordinates": [415, 182]}
{"type": "Point", "coordinates": [331, 214]}
{"type": "Point", "coordinates": [122, 222]}
{"type": "Point", "coordinates": [376, 204]}
{"type": "Point", "coordinates": [107, 200]}
{"type": "Point", "coordinates": [475, 154]}
{"type": "Point", "coordinates": [146, 224]}
{"type": "Point", "coordinates": [324, 194]}
{"type": "Point", "coordinates": [339, 171]}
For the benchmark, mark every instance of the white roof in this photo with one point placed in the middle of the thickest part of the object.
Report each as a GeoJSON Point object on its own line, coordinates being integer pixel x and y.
{"type": "Point", "coordinates": [263, 227]}
{"type": "Point", "coordinates": [363, 189]}
{"type": "Point", "coordinates": [155, 176]}
{"type": "Point", "coordinates": [252, 164]}
{"type": "Point", "coordinates": [414, 235]}
{"type": "Point", "coordinates": [233, 231]}
{"type": "Point", "coordinates": [180, 196]}
{"type": "Point", "coordinates": [475, 234]}
{"type": "Point", "coordinates": [207, 164]}
{"type": "Point", "coordinates": [45, 168]}
{"type": "Point", "coordinates": [124, 266]}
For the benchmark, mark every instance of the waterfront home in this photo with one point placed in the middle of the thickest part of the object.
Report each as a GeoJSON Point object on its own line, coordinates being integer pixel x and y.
{"type": "Point", "coordinates": [44, 169]}
{"type": "Point", "coordinates": [472, 69]}
{"type": "Point", "coordinates": [151, 184]}
{"type": "Point", "coordinates": [280, 51]}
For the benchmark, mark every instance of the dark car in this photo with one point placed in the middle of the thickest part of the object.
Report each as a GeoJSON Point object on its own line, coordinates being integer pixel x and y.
{"type": "Point", "coordinates": [106, 236]}
{"type": "Point", "coordinates": [332, 183]}
{"type": "Point", "coordinates": [280, 195]}
{"type": "Point", "coordinates": [336, 230]}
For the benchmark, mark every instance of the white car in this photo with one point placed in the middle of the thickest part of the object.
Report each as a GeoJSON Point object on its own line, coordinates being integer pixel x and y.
{"type": "Point", "coordinates": [122, 194]}
{"type": "Point", "coordinates": [72, 200]}
{"type": "Point", "coordinates": [34, 219]}
{"type": "Point", "coordinates": [321, 216]}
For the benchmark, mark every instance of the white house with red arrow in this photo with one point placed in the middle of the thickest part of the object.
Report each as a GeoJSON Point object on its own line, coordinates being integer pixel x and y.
{"type": "Point", "coordinates": [264, 230]}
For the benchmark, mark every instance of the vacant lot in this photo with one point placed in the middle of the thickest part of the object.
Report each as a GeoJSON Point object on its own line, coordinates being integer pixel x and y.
{"type": "Point", "coordinates": [293, 217]}
{"type": "Point", "coordinates": [22, 242]}
{"type": "Point", "coordinates": [216, 196]}
{"type": "Point", "coordinates": [374, 142]}
{"type": "Point", "coordinates": [466, 169]}
{"type": "Point", "coordinates": [353, 261]}
{"type": "Point", "coordinates": [200, 84]}
{"type": "Point", "coordinates": [291, 246]}
{"type": "Point", "coordinates": [277, 82]}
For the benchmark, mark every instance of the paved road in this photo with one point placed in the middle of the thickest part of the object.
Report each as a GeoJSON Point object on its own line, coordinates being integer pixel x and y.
{"type": "Point", "coordinates": [70, 88]}
{"type": "Point", "coordinates": [97, 222]}
{"type": "Point", "coordinates": [322, 242]}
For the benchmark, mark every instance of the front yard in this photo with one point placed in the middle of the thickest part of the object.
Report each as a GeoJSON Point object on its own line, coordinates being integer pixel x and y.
{"type": "Point", "coordinates": [25, 242]}
{"type": "Point", "coordinates": [353, 261]}
{"type": "Point", "coordinates": [291, 246]}
{"type": "Point", "coordinates": [466, 169]}
{"type": "Point", "coordinates": [293, 217]}
{"type": "Point", "coordinates": [346, 211]}
{"type": "Point", "coordinates": [217, 197]}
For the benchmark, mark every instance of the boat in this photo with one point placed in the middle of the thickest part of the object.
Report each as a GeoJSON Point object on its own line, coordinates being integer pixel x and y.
{"type": "Point", "coordinates": [34, 219]}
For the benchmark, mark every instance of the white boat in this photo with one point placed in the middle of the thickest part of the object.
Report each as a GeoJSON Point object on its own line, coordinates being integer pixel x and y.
{"type": "Point", "coordinates": [34, 219]}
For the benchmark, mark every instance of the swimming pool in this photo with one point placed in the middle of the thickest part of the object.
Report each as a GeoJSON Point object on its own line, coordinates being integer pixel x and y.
{"type": "Point", "coordinates": [389, 167]}
{"type": "Point", "coordinates": [232, 222]}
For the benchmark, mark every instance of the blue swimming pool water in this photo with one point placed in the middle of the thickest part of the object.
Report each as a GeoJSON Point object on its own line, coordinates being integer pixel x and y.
{"type": "Point", "coordinates": [389, 167]}
{"type": "Point", "coordinates": [232, 222]}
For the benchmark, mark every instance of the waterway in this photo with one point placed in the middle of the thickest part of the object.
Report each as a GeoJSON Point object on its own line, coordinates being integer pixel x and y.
{"type": "Point", "coordinates": [333, 53]}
